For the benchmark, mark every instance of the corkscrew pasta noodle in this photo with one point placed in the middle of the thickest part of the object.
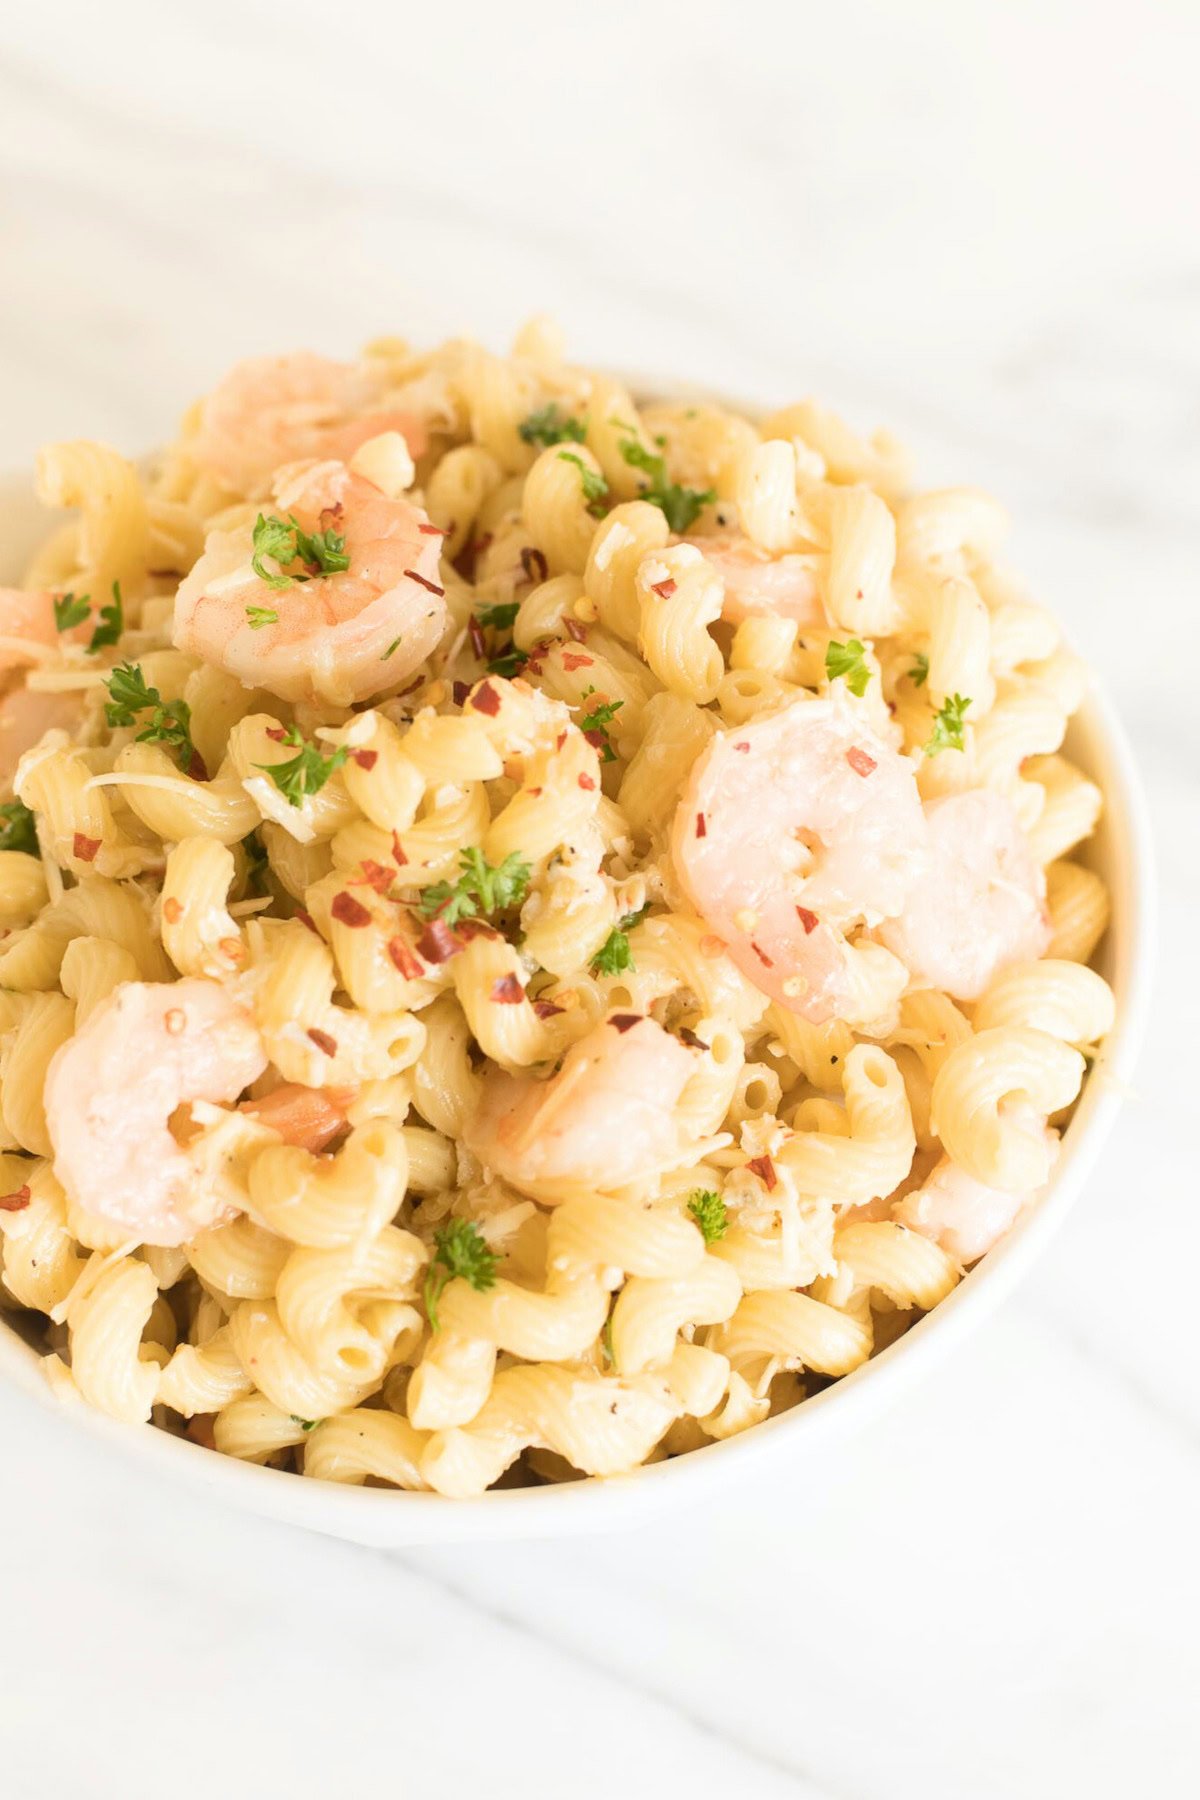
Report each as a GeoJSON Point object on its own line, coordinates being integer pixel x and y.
{"type": "Point", "coordinates": [588, 893]}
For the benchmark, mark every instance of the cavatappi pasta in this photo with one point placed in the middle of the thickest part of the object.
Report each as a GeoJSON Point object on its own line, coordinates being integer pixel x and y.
{"type": "Point", "coordinates": [538, 924]}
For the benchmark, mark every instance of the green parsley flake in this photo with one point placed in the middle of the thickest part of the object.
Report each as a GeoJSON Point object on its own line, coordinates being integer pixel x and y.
{"type": "Point", "coordinates": [594, 725]}
{"type": "Point", "coordinates": [948, 726]}
{"type": "Point", "coordinates": [321, 553]}
{"type": "Point", "coordinates": [615, 956]}
{"type": "Point", "coordinates": [680, 505]}
{"type": "Point", "coordinates": [593, 483]}
{"type": "Point", "coordinates": [919, 673]}
{"type": "Point", "coordinates": [112, 623]}
{"type": "Point", "coordinates": [69, 611]}
{"type": "Point", "coordinates": [480, 891]}
{"type": "Point", "coordinates": [17, 829]}
{"type": "Point", "coordinates": [708, 1210]}
{"type": "Point", "coordinates": [305, 773]}
{"type": "Point", "coordinates": [847, 662]}
{"type": "Point", "coordinates": [391, 649]}
{"type": "Point", "coordinates": [170, 721]}
{"type": "Point", "coordinates": [499, 617]}
{"type": "Point", "coordinates": [459, 1251]}
{"type": "Point", "coordinates": [548, 426]}
{"type": "Point", "coordinates": [304, 1424]}
{"type": "Point", "coordinates": [258, 616]}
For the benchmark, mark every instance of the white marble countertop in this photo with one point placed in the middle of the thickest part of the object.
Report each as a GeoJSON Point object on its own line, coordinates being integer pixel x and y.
{"type": "Point", "coordinates": [975, 224]}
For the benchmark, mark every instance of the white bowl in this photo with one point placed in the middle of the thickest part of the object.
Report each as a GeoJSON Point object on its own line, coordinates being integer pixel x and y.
{"type": "Point", "coordinates": [1121, 852]}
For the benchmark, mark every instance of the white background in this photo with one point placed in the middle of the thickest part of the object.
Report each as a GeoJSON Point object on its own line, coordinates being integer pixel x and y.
{"type": "Point", "coordinates": [976, 224]}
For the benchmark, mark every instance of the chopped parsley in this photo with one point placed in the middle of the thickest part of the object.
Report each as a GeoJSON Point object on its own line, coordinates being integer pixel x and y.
{"type": "Point", "coordinates": [594, 725]}
{"type": "Point", "coordinates": [112, 623]}
{"type": "Point", "coordinates": [391, 649]}
{"type": "Point", "coordinates": [480, 890]}
{"type": "Point", "coordinates": [459, 1250]}
{"type": "Point", "coordinates": [304, 1424]}
{"type": "Point", "coordinates": [305, 773]}
{"type": "Point", "coordinates": [708, 1210]}
{"type": "Point", "coordinates": [919, 673]}
{"type": "Point", "coordinates": [681, 505]}
{"type": "Point", "coordinates": [17, 831]}
{"type": "Point", "coordinates": [70, 611]}
{"type": "Point", "coordinates": [499, 617]}
{"type": "Point", "coordinates": [593, 483]}
{"type": "Point", "coordinates": [258, 616]}
{"type": "Point", "coordinates": [170, 722]}
{"type": "Point", "coordinates": [548, 426]}
{"type": "Point", "coordinates": [847, 661]}
{"type": "Point", "coordinates": [256, 862]}
{"type": "Point", "coordinates": [321, 553]}
{"type": "Point", "coordinates": [948, 726]}
{"type": "Point", "coordinates": [614, 956]}
{"type": "Point", "coordinates": [510, 662]}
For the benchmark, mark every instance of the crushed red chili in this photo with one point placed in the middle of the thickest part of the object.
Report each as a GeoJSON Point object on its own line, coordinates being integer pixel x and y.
{"type": "Point", "coordinates": [547, 1009]}
{"type": "Point", "coordinates": [764, 1168]}
{"type": "Point", "coordinates": [459, 691]}
{"type": "Point", "coordinates": [809, 920]}
{"type": "Point", "coordinates": [475, 633]}
{"type": "Point", "coordinates": [374, 875]}
{"type": "Point", "coordinates": [16, 1201]}
{"type": "Point", "coordinates": [366, 759]}
{"type": "Point", "coordinates": [405, 959]}
{"type": "Point", "coordinates": [534, 563]}
{"type": "Point", "coordinates": [586, 781]}
{"type": "Point", "coordinates": [701, 825]}
{"type": "Point", "coordinates": [306, 919]}
{"type": "Point", "coordinates": [859, 761]}
{"type": "Point", "coordinates": [688, 1036]}
{"type": "Point", "coordinates": [576, 630]}
{"type": "Point", "coordinates": [762, 956]}
{"type": "Point", "coordinates": [507, 991]}
{"type": "Point", "coordinates": [428, 530]}
{"type": "Point", "coordinates": [485, 699]}
{"type": "Point", "coordinates": [172, 910]}
{"type": "Point", "coordinates": [664, 589]}
{"type": "Point", "coordinates": [742, 747]}
{"type": "Point", "coordinates": [571, 659]}
{"type": "Point", "coordinates": [323, 1041]}
{"type": "Point", "coordinates": [437, 943]}
{"type": "Point", "coordinates": [398, 856]}
{"type": "Point", "coordinates": [416, 575]}
{"type": "Point", "coordinates": [349, 911]}
{"type": "Point", "coordinates": [86, 848]}
{"type": "Point", "coordinates": [623, 1022]}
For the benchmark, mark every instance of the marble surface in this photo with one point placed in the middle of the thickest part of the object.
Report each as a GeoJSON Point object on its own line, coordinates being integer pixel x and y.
{"type": "Point", "coordinates": [974, 224]}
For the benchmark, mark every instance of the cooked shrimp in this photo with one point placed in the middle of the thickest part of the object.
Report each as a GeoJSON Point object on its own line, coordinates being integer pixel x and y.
{"type": "Point", "coordinates": [273, 410]}
{"type": "Point", "coordinates": [336, 638]}
{"type": "Point", "coordinates": [789, 831]}
{"type": "Point", "coordinates": [961, 1214]}
{"type": "Point", "coordinates": [26, 715]}
{"type": "Point", "coordinates": [758, 585]}
{"type": "Point", "coordinates": [607, 1117]}
{"type": "Point", "coordinates": [309, 1118]}
{"type": "Point", "coordinates": [28, 629]}
{"type": "Point", "coordinates": [112, 1089]}
{"type": "Point", "coordinates": [979, 902]}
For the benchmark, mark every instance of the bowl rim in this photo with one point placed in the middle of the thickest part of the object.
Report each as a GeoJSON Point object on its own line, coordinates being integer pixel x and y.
{"type": "Point", "coordinates": [385, 1516]}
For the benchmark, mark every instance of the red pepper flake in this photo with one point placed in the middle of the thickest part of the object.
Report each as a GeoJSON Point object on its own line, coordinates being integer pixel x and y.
{"type": "Point", "coordinates": [560, 740]}
{"type": "Point", "coordinates": [16, 1201]}
{"type": "Point", "coordinates": [547, 1009]}
{"type": "Point", "coordinates": [374, 875]}
{"type": "Point", "coordinates": [276, 733]}
{"type": "Point", "coordinates": [459, 692]}
{"type": "Point", "coordinates": [664, 589]}
{"type": "Point", "coordinates": [475, 633]}
{"type": "Point", "coordinates": [688, 1036]}
{"type": "Point", "coordinates": [306, 919]}
{"type": "Point", "coordinates": [742, 747]}
{"type": "Point", "coordinates": [485, 699]}
{"type": "Point", "coordinates": [466, 929]}
{"type": "Point", "coordinates": [86, 848]}
{"type": "Point", "coordinates": [197, 768]}
{"type": "Point", "coordinates": [571, 659]}
{"type": "Point", "coordinates": [418, 681]}
{"type": "Point", "coordinates": [366, 759]}
{"type": "Point", "coordinates": [172, 910]}
{"type": "Point", "coordinates": [534, 563]}
{"type": "Point", "coordinates": [859, 761]}
{"type": "Point", "coordinates": [428, 530]}
{"type": "Point", "coordinates": [575, 630]}
{"type": "Point", "coordinates": [405, 959]}
{"type": "Point", "coordinates": [762, 956]}
{"type": "Point", "coordinates": [809, 920]}
{"type": "Point", "coordinates": [398, 856]}
{"type": "Point", "coordinates": [323, 1041]}
{"type": "Point", "coordinates": [437, 943]}
{"type": "Point", "coordinates": [701, 825]}
{"type": "Point", "coordinates": [507, 991]}
{"type": "Point", "coordinates": [534, 792]}
{"type": "Point", "coordinates": [624, 1022]}
{"type": "Point", "coordinates": [597, 738]}
{"type": "Point", "coordinates": [764, 1168]}
{"type": "Point", "coordinates": [586, 781]}
{"type": "Point", "coordinates": [481, 544]}
{"type": "Point", "coordinates": [349, 911]}
{"type": "Point", "coordinates": [331, 514]}
{"type": "Point", "coordinates": [416, 575]}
